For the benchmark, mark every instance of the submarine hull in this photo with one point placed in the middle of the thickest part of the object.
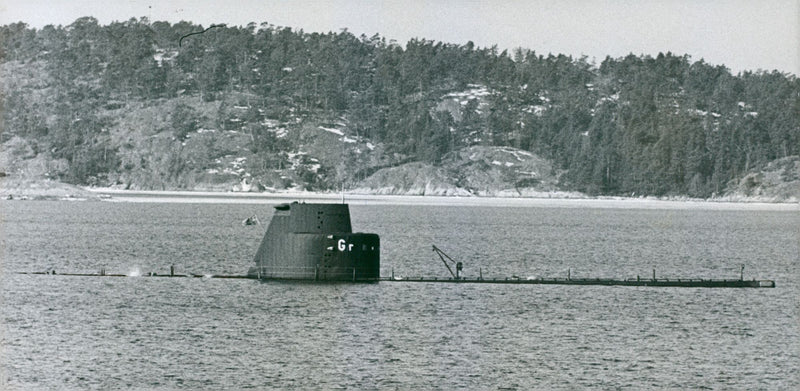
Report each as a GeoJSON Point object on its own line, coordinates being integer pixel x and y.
{"type": "Point", "coordinates": [315, 242]}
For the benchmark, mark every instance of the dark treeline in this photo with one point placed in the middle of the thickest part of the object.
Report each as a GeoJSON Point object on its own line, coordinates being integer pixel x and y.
{"type": "Point", "coordinates": [638, 124]}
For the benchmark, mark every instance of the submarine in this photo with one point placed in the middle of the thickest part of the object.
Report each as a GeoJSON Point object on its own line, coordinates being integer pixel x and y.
{"type": "Point", "coordinates": [316, 242]}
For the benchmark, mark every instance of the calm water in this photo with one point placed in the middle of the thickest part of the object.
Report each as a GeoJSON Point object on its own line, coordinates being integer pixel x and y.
{"type": "Point", "coordinates": [64, 332]}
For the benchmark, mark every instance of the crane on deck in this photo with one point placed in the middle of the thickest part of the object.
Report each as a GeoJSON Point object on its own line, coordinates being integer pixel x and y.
{"type": "Point", "coordinates": [445, 258]}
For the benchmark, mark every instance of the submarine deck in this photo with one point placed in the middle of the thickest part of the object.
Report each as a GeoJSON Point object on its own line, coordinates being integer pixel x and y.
{"type": "Point", "coordinates": [665, 282]}
{"type": "Point", "coordinates": [658, 282]}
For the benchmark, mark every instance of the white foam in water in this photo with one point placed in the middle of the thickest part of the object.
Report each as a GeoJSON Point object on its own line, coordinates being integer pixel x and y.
{"type": "Point", "coordinates": [135, 272]}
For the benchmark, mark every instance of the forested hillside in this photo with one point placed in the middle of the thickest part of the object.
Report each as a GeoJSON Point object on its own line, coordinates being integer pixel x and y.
{"type": "Point", "coordinates": [142, 105]}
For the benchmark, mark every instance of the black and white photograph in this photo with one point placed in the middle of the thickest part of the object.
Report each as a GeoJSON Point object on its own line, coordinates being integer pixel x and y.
{"type": "Point", "coordinates": [399, 195]}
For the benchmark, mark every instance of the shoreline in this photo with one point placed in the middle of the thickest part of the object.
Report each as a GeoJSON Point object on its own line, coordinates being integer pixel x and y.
{"type": "Point", "coordinates": [58, 191]}
{"type": "Point", "coordinates": [144, 196]}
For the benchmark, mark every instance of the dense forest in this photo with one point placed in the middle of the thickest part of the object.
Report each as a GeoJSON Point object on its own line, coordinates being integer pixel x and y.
{"type": "Point", "coordinates": [663, 125]}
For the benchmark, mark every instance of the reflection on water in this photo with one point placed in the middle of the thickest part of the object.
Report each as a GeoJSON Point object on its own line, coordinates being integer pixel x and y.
{"type": "Point", "coordinates": [83, 332]}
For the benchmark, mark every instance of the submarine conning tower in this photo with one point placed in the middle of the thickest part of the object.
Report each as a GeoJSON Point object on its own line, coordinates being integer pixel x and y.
{"type": "Point", "coordinates": [316, 242]}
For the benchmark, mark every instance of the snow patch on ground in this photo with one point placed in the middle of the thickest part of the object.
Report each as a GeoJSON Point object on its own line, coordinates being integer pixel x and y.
{"type": "Point", "coordinates": [537, 110]}
{"type": "Point", "coordinates": [332, 130]}
{"type": "Point", "coordinates": [473, 91]}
